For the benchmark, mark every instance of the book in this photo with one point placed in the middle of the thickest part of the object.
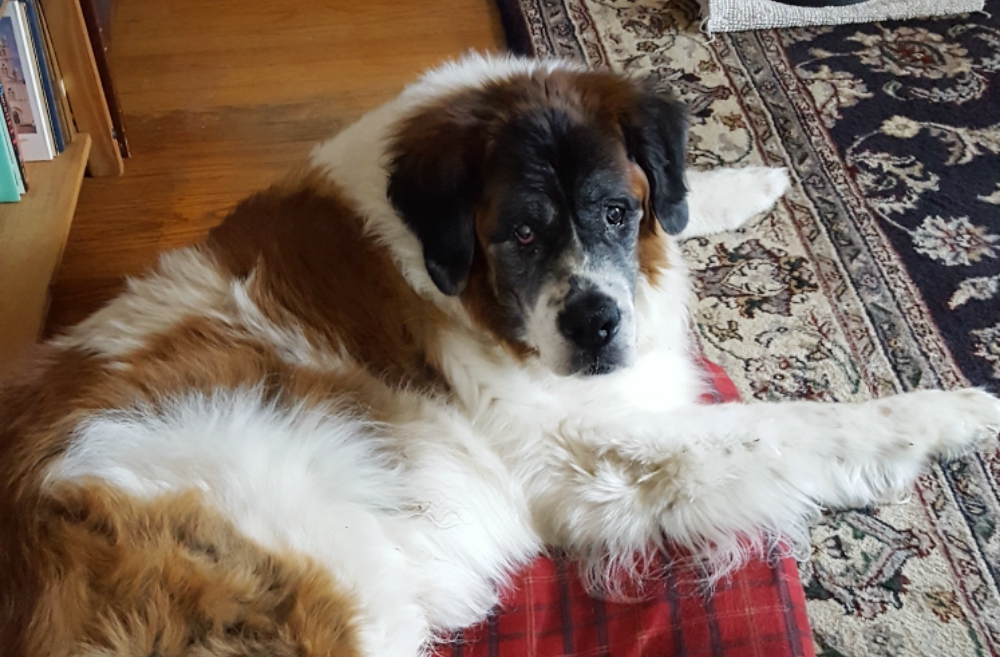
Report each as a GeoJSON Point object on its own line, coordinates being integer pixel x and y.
{"type": "Point", "coordinates": [11, 187]}
{"type": "Point", "coordinates": [98, 20]}
{"type": "Point", "coordinates": [23, 174]}
{"type": "Point", "coordinates": [65, 114]}
{"type": "Point", "coordinates": [45, 71]}
{"type": "Point", "coordinates": [21, 81]}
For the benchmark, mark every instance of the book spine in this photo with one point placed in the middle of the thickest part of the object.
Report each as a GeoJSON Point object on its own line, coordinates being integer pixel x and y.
{"type": "Point", "coordinates": [97, 42]}
{"type": "Point", "coordinates": [22, 173]}
{"type": "Point", "coordinates": [45, 73]}
{"type": "Point", "coordinates": [10, 190]}
{"type": "Point", "coordinates": [62, 102]}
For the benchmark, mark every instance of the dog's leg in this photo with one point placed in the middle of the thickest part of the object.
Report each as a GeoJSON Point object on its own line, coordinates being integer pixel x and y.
{"type": "Point", "coordinates": [724, 199]}
{"type": "Point", "coordinates": [708, 477]}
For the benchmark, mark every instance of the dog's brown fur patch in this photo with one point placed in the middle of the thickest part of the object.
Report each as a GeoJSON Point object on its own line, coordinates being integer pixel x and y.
{"type": "Point", "coordinates": [88, 566]}
{"type": "Point", "coordinates": [298, 245]}
{"type": "Point", "coordinates": [31, 435]}
{"type": "Point", "coordinates": [168, 577]}
{"type": "Point", "coordinates": [652, 249]}
{"type": "Point", "coordinates": [204, 355]}
{"type": "Point", "coordinates": [472, 117]}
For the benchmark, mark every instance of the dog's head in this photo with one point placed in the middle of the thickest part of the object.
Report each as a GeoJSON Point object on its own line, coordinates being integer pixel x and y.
{"type": "Point", "coordinates": [531, 195]}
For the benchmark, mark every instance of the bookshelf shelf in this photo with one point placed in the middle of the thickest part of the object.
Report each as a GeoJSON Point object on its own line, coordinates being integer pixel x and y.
{"type": "Point", "coordinates": [33, 234]}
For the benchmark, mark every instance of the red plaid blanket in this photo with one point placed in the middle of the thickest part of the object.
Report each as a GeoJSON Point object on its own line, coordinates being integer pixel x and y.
{"type": "Point", "coordinates": [759, 612]}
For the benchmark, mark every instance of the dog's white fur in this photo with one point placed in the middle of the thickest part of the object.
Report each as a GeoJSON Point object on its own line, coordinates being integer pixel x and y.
{"type": "Point", "coordinates": [425, 518]}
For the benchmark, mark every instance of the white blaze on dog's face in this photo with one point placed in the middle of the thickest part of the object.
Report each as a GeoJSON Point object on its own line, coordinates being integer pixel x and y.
{"type": "Point", "coordinates": [530, 197]}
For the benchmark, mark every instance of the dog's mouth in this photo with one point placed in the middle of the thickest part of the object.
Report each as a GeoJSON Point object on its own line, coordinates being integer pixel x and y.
{"type": "Point", "coordinates": [597, 368]}
{"type": "Point", "coordinates": [564, 359]}
{"type": "Point", "coordinates": [597, 363]}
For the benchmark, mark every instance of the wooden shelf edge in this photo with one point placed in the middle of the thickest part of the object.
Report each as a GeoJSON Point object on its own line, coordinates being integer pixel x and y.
{"type": "Point", "coordinates": [33, 234]}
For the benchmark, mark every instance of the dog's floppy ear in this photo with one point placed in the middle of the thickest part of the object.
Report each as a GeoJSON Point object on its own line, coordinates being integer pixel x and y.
{"type": "Point", "coordinates": [435, 179]}
{"type": "Point", "coordinates": [655, 131]}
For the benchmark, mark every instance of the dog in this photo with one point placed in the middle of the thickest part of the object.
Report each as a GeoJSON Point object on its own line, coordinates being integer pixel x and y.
{"type": "Point", "coordinates": [456, 335]}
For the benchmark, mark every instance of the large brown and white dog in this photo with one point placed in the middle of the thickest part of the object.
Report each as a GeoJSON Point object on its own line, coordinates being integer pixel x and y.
{"type": "Point", "coordinates": [458, 335]}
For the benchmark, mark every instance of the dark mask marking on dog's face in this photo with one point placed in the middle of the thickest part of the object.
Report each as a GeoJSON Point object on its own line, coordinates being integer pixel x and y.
{"type": "Point", "coordinates": [530, 198]}
{"type": "Point", "coordinates": [562, 246]}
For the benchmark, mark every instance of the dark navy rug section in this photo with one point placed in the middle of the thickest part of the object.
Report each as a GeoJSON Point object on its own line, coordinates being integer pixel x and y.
{"type": "Point", "coordinates": [515, 27]}
{"type": "Point", "coordinates": [919, 129]}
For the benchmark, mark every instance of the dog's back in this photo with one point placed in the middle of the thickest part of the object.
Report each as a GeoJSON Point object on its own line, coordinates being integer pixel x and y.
{"type": "Point", "coordinates": [199, 372]}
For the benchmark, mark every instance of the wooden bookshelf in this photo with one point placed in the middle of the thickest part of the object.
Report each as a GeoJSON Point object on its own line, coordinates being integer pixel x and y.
{"type": "Point", "coordinates": [33, 234]}
{"type": "Point", "coordinates": [83, 84]}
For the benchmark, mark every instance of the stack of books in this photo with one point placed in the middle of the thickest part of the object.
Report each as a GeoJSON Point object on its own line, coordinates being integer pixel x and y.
{"type": "Point", "coordinates": [32, 97]}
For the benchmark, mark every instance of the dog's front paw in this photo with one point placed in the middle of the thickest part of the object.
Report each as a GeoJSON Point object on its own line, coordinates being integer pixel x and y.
{"type": "Point", "coordinates": [902, 433]}
{"type": "Point", "coordinates": [725, 199]}
{"type": "Point", "coordinates": [947, 423]}
{"type": "Point", "coordinates": [977, 414]}
{"type": "Point", "coordinates": [774, 183]}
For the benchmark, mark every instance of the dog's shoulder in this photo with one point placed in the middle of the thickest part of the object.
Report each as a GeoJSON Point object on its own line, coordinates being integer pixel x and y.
{"type": "Point", "coordinates": [289, 280]}
{"type": "Point", "coordinates": [303, 257]}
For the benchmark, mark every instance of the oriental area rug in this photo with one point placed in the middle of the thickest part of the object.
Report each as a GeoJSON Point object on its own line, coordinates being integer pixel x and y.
{"type": "Point", "coordinates": [878, 273]}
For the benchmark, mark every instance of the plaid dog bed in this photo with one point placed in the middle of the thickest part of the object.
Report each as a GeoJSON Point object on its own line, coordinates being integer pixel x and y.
{"type": "Point", "coordinates": [759, 612]}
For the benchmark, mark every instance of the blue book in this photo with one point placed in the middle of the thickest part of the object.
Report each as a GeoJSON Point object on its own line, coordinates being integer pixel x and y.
{"type": "Point", "coordinates": [45, 73]}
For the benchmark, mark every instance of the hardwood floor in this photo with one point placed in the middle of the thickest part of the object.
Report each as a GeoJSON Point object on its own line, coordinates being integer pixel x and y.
{"type": "Point", "coordinates": [222, 96]}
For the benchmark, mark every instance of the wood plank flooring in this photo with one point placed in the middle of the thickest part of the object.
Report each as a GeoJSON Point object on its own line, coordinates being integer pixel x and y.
{"type": "Point", "coordinates": [222, 96]}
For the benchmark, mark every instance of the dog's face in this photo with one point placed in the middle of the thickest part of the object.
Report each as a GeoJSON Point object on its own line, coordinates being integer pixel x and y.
{"type": "Point", "coordinates": [530, 197]}
{"type": "Point", "coordinates": [560, 240]}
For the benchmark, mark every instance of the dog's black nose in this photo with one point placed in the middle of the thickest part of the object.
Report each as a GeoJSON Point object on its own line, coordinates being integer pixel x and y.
{"type": "Point", "coordinates": [590, 321]}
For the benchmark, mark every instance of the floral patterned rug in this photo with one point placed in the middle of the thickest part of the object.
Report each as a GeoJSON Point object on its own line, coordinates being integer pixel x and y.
{"type": "Point", "coordinates": [878, 273]}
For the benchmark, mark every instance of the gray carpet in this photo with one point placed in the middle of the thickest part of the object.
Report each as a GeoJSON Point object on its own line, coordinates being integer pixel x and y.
{"type": "Point", "coordinates": [738, 15]}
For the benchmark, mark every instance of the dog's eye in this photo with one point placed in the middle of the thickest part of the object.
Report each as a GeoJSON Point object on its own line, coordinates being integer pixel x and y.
{"type": "Point", "coordinates": [524, 234]}
{"type": "Point", "coordinates": [614, 215]}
